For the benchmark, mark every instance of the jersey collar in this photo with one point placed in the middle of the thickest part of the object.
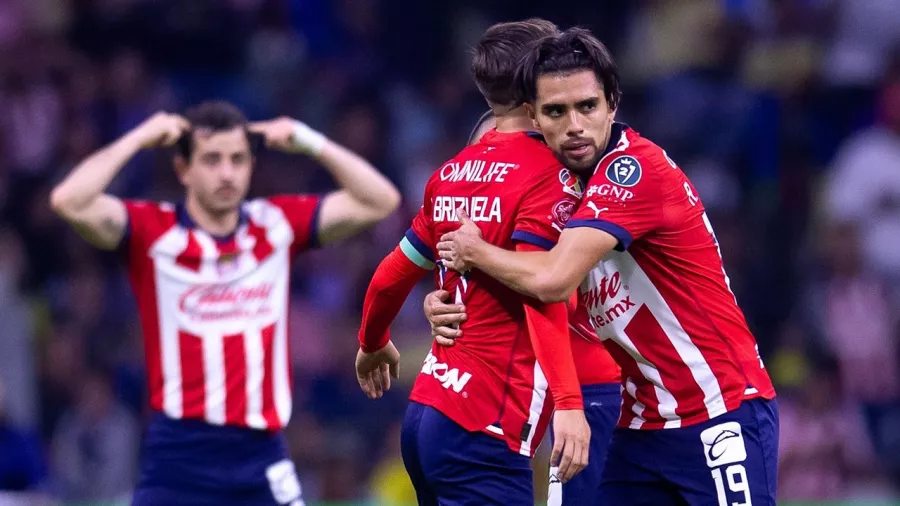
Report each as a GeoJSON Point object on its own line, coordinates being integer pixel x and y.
{"type": "Point", "coordinates": [185, 220]}
{"type": "Point", "coordinates": [614, 135]}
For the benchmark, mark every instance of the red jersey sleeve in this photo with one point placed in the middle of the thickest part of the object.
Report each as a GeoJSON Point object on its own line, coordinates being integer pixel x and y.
{"type": "Point", "coordinates": [391, 284]}
{"type": "Point", "coordinates": [623, 198]}
{"type": "Point", "coordinates": [418, 242]}
{"type": "Point", "coordinates": [302, 212]}
{"type": "Point", "coordinates": [147, 221]}
{"type": "Point", "coordinates": [546, 208]}
{"type": "Point", "coordinates": [548, 328]}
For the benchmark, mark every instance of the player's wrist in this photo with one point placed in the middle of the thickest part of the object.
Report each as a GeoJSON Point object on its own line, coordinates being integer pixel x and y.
{"type": "Point", "coordinates": [308, 140]}
{"type": "Point", "coordinates": [368, 347]}
{"type": "Point", "coordinates": [473, 255]}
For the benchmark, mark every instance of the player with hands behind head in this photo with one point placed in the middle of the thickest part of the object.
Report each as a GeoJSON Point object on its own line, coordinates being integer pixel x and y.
{"type": "Point", "coordinates": [211, 277]}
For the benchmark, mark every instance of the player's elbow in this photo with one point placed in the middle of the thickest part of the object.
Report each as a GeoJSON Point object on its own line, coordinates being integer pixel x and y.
{"type": "Point", "coordinates": [61, 203]}
{"type": "Point", "coordinates": [386, 203]}
{"type": "Point", "coordinates": [549, 289]}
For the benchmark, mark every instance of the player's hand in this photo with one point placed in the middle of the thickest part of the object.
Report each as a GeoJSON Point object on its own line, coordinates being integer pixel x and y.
{"type": "Point", "coordinates": [278, 133]}
{"type": "Point", "coordinates": [456, 247]}
{"type": "Point", "coordinates": [289, 135]}
{"type": "Point", "coordinates": [374, 370]}
{"type": "Point", "coordinates": [161, 129]}
{"type": "Point", "coordinates": [443, 317]}
{"type": "Point", "coordinates": [571, 443]}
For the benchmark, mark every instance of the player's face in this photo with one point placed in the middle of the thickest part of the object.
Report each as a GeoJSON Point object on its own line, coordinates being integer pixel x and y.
{"type": "Point", "coordinates": [218, 174]}
{"type": "Point", "coordinates": [572, 113]}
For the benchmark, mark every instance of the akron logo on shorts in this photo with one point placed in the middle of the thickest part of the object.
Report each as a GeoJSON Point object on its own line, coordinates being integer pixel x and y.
{"type": "Point", "coordinates": [624, 171]}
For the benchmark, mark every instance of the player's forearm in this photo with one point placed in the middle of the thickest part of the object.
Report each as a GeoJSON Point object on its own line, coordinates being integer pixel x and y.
{"type": "Point", "coordinates": [391, 284]}
{"type": "Point", "coordinates": [377, 196]}
{"type": "Point", "coordinates": [549, 331]}
{"type": "Point", "coordinates": [526, 272]}
{"type": "Point", "coordinates": [93, 175]}
{"type": "Point", "coordinates": [548, 328]}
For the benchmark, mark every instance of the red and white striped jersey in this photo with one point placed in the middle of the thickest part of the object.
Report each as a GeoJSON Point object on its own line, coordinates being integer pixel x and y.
{"type": "Point", "coordinates": [593, 363]}
{"type": "Point", "coordinates": [661, 301]}
{"type": "Point", "coordinates": [214, 309]}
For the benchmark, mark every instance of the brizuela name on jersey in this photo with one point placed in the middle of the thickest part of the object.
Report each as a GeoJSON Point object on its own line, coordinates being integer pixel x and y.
{"type": "Point", "coordinates": [480, 208]}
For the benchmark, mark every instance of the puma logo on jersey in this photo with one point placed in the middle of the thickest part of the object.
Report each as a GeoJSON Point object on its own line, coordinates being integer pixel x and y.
{"type": "Point", "coordinates": [597, 211]}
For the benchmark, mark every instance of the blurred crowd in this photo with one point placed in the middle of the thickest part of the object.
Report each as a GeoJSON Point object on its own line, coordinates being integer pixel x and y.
{"type": "Point", "coordinates": [785, 114]}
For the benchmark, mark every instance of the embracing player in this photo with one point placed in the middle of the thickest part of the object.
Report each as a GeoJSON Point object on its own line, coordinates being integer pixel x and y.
{"type": "Point", "coordinates": [699, 423]}
{"type": "Point", "coordinates": [598, 373]}
{"type": "Point", "coordinates": [211, 278]}
{"type": "Point", "coordinates": [479, 409]}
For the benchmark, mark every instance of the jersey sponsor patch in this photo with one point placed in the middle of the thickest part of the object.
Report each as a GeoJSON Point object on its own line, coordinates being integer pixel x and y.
{"type": "Point", "coordinates": [571, 183]}
{"type": "Point", "coordinates": [624, 171]}
{"type": "Point", "coordinates": [283, 482]}
{"type": "Point", "coordinates": [723, 444]}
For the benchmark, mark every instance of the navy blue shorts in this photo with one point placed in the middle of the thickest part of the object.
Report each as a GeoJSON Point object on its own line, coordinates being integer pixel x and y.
{"type": "Point", "coordinates": [450, 466]}
{"type": "Point", "coordinates": [602, 405]}
{"type": "Point", "coordinates": [731, 459]}
{"type": "Point", "coordinates": [192, 463]}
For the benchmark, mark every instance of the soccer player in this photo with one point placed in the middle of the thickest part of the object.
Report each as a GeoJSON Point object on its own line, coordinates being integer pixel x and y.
{"type": "Point", "coordinates": [598, 373]}
{"type": "Point", "coordinates": [211, 279]}
{"type": "Point", "coordinates": [699, 423]}
{"type": "Point", "coordinates": [479, 409]}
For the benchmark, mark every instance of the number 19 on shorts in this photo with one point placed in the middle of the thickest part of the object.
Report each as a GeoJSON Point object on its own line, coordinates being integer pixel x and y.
{"type": "Point", "coordinates": [726, 453]}
{"type": "Point", "coordinates": [736, 481]}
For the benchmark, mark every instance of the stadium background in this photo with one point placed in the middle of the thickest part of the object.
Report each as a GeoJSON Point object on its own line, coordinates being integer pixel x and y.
{"type": "Point", "coordinates": [786, 114]}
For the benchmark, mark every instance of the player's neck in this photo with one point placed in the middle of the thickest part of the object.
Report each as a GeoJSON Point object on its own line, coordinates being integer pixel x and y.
{"type": "Point", "coordinates": [215, 224]}
{"type": "Point", "coordinates": [513, 120]}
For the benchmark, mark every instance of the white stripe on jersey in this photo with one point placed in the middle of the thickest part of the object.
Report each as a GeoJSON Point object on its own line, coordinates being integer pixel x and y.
{"type": "Point", "coordinates": [176, 239]}
{"type": "Point", "coordinates": [644, 291]}
{"type": "Point", "coordinates": [253, 349]}
{"type": "Point", "coordinates": [538, 398]}
{"type": "Point", "coordinates": [638, 409]}
{"type": "Point", "coordinates": [282, 390]}
{"type": "Point", "coordinates": [494, 429]}
{"type": "Point", "coordinates": [641, 285]}
{"type": "Point", "coordinates": [667, 402]}
{"type": "Point", "coordinates": [214, 374]}
{"type": "Point", "coordinates": [272, 218]}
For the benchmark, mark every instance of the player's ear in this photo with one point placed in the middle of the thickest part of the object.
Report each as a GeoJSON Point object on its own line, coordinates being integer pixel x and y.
{"type": "Point", "coordinates": [529, 108]}
{"type": "Point", "coordinates": [181, 167]}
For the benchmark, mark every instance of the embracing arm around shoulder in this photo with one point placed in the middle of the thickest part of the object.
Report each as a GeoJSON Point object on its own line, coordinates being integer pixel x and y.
{"type": "Point", "coordinates": [550, 276]}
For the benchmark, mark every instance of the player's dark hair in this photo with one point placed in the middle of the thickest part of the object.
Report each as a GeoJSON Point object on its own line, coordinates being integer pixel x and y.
{"type": "Point", "coordinates": [497, 55]}
{"type": "Point", "coordinates": [573, 50]}
{"type": "Point", "coordinates": [211, 116]}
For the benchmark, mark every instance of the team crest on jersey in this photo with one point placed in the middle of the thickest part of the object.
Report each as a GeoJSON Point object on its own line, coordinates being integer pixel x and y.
{"type": "Point", "coordinates": [624, 171]}
{"type": "Point", "coordinates": [562, 211]}
{"type": "Point", "coordinates": [571, 183]}
{"type": "Point", "coordinates": [227, 263]}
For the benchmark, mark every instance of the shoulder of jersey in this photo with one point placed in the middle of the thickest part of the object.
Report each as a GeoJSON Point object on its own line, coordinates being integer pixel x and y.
{"type": "Point", "coordinates": [634, 159]}
{"type": "Point", "coordinates": [153, 207]}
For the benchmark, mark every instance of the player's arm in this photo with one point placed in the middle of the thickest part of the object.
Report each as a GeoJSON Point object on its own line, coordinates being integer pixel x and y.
{"type": "Point", "coordinates": [608, 218]}
{"type": "Point", "coordinates": [80, 199]}
{"type": "Point", "coordinates": [548, 328]}
{"type": "Point", "coordinates": [365, 196]}
{"type": "Point", "coordinates": [391, 284]}
{"type": "Point", "coordinates": [550, 276]}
